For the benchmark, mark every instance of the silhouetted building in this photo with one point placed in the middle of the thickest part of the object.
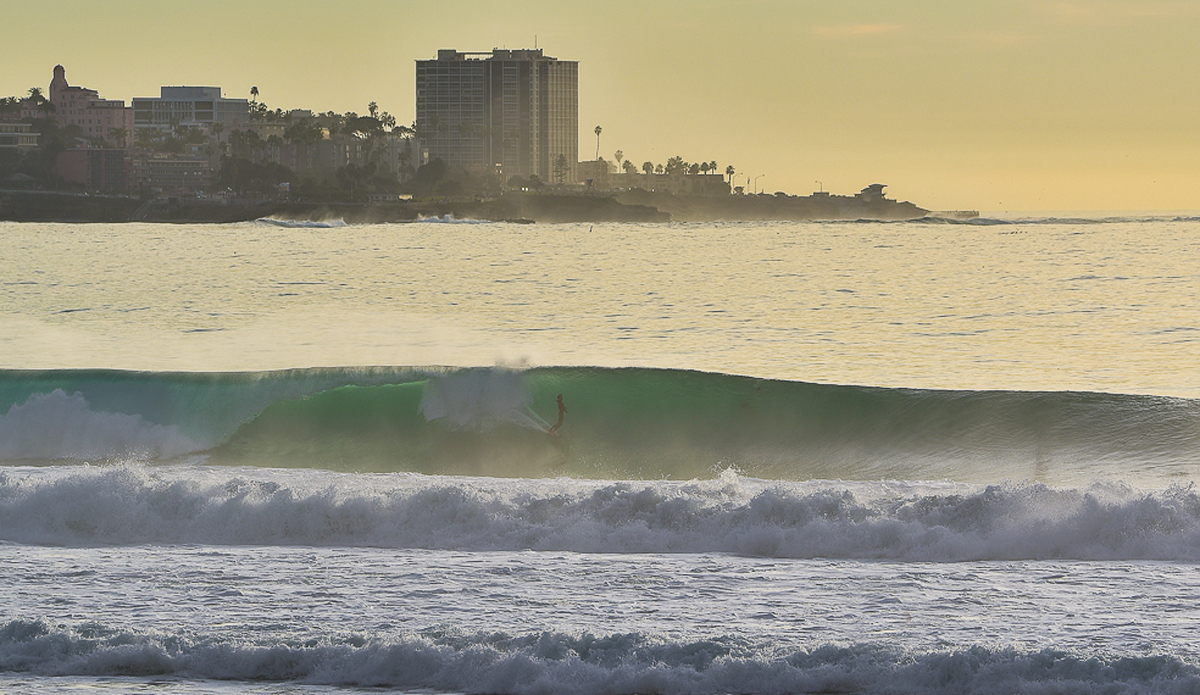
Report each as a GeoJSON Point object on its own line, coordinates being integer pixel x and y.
{"type": "Point", "coordinates": [189, 106]}
{"type": "Point", "coordinates": [18, 136]}
{"type": "Point", "coordinates": [513, 112]}
{"type": "Point", "coordinates": [166, 173]}
{"type": "Point", "coordinates": [96, 169]}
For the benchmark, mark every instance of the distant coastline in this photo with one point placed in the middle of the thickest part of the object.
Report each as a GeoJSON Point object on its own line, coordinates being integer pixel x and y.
{"type": "Point", "coordinates": [524, 207]}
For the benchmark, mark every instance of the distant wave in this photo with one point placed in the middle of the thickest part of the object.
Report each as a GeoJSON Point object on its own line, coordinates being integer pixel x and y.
{"type": "Point", "coordinates": [1052, 220]}
{"type": "Point", "coordinates": [451, 219]}
{"type": "Point", "coordinates": [579, 664]}
{"type": "Point", "coordinates": [301, 224]}
{"type": "Point", "coordinates": [72, 506]}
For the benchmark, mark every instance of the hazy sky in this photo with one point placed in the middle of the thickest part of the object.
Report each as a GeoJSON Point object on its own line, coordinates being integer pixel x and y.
{"type": "Point", "coordinates": [999, 105]}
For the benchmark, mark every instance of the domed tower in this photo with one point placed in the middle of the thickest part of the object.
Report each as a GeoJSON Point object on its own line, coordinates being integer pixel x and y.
{"type": "Point", "coordinates": [58, 84]}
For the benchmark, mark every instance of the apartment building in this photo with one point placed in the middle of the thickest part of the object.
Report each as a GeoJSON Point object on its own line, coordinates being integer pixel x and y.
{"type": "Point", "coordinates": [512, 112]}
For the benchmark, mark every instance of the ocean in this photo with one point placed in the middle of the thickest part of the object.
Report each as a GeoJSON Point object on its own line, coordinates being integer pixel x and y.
{"type": "Point", "coordinates": [859, 457]}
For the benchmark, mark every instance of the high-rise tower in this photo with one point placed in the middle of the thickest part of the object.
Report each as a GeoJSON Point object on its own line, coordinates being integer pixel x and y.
{"type": "Point", "coordinates": [514, 112]}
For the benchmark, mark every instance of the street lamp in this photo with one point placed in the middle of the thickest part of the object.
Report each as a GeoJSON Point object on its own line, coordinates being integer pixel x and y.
{"type": "Point", "coordinates": [756, 178]}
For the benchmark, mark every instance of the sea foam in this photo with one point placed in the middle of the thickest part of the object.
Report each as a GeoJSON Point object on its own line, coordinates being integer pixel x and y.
{"type": "Point", "coordinates": [58, 425]}
{"type": "Point", "coordinates": [578, 664]}
{"type": "Point", "coordinates": [193, 504]}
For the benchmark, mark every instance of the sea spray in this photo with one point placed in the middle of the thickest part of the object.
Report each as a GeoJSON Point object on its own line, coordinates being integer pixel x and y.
{"type": "Point", "coordinates": [623, 423]}
{"type": "Point", "coordinates": [131, 505]}
{"type": "Point", "coordinates": [578, 664]}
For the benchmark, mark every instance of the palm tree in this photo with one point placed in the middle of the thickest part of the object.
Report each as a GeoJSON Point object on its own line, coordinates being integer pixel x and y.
{"type": "Point", "coordinates": [119, 137]}
{"type": "Point", "coordinates": [729, 171]}
{"type": "Point", "coordinates": [618, 155]}
{"type": "Point", "coordinates": [254, 94]}
{"type": "Point", "coordinates": [598, 129]}
{"type": "Point", "coordinates": [648, 167]}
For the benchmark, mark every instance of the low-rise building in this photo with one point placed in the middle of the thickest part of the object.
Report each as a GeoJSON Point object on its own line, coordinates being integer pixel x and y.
{"type": "Point", "coordinates": [17, 136]}
{"type": "Point", "coordinates": [195, 107]}
{"type": "Point", "coordinates": [676, 183]}
{"type": "Point", "coordinates": [172, 174]}
{"type": "Point", "coordinates": [105, 170]}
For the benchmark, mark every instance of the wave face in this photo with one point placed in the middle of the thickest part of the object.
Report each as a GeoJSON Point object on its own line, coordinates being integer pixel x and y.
{"type": "Point", "coordinates": [621, 424]}
{"type": "Point", "coordinates": [123, 505]}
{"type": "Point", "coordinates": [586, 664]}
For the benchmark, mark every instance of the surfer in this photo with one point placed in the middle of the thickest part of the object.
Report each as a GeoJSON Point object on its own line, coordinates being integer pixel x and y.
{"type": "Point", "coordinates": [562, 410]}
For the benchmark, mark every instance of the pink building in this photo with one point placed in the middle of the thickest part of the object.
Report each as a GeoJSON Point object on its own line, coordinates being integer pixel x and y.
{"type": "Point", "coordinates": [96, 117]}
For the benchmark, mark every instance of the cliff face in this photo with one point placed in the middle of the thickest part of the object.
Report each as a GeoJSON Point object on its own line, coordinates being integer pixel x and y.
{"type": "Point", "coordinates": [688, 208]}
{"type": "Point", "coordinates": [46, 206]}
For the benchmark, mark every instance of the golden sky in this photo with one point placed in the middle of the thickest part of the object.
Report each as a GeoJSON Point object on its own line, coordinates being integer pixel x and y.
{"type": "Point", "coordinates": [997, 105]}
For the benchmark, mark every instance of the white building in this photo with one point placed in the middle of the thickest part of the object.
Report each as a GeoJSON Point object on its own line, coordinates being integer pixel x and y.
{"type": "Point", "coordinates": [196, 107]}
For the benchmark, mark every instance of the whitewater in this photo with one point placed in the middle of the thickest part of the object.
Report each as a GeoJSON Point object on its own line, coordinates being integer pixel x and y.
{"type": "Point", "coordinates": [923, 457]}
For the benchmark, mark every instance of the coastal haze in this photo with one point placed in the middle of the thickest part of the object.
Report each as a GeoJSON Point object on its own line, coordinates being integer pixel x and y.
{"type": "Point", "coordinates": [925, 444]}
{"type": "Point", "coordinates": [996, 106]}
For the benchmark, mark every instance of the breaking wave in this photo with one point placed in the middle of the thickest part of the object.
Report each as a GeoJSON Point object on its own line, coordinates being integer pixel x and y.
{"type": "Point", "coordinates": [932, 522]}
{"type": "Point", "coordinates": [301, 224]}
{"type": "Point", "coordinates": [451, 219]}
{"type": "Point", "coordinates": [578, 664]}
{"type": "Point", "coordinates": [622, 424]}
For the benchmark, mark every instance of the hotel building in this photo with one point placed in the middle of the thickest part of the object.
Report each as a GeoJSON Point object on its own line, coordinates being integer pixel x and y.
{"type": "Point", "coordinates": [97, 118]}
{"type": "Point", "coordinates": [513, 112]}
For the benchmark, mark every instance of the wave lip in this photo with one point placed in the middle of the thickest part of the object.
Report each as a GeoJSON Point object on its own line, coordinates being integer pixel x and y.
{"type": "Point", "coordinates": [581, 664]}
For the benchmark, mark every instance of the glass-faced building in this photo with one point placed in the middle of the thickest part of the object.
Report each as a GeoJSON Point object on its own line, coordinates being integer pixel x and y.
{"type": "Point", "coordinates": [514, 112]}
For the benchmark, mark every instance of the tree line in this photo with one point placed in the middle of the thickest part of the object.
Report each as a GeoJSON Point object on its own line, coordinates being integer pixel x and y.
{"type": "Point", "coordinates": [674, 165]}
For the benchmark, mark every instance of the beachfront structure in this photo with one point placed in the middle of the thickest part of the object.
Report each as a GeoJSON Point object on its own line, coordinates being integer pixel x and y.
{"type": "Point", "coordinates": [105, 119]}
{"type": "Point", "coordinates": [512, 112]}
{"type": "Point", "coordinates": [172, 174]}
{"type": "Point", "coordinates": [189, 106]}
{"type": "Point", "coordinates": [17, 136]}
{"type": "Point", "coordinates": [95, 168]}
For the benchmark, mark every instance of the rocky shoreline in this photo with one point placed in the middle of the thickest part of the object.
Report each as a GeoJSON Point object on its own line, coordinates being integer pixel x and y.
{"type": "Point", "coordinates": [45, 206]}
{"type": "Point", "coordinates": [522, 207]}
